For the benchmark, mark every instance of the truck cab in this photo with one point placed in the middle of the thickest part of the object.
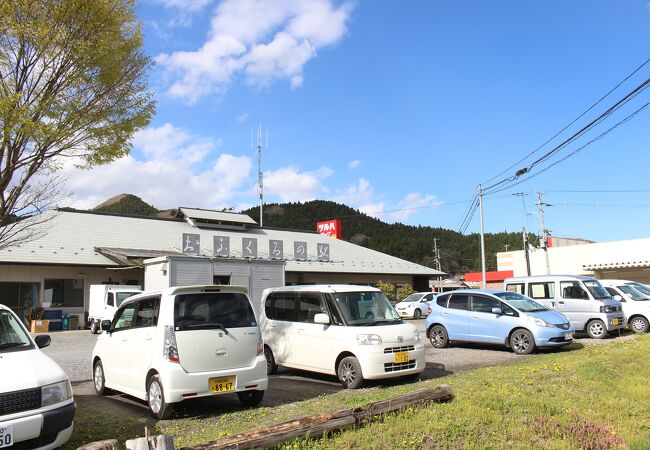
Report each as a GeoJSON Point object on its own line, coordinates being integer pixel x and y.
{"type": "Point", "coordinates": [104, 301]}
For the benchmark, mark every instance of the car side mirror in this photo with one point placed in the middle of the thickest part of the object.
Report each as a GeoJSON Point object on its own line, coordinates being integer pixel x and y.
{"type": "Point", "coordinates": [322, 318]}
{"type": "Point", "coordinates": [618, 297]}
{"type": "Point", "coordinates": [106, 325]}
{"type": "Point", "coordinates": [497, 311]}
{"type": "Point", "coordinates": [42, 340]}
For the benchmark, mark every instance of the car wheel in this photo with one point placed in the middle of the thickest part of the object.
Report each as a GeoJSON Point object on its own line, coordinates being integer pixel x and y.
{"type": "Point", "coordinates": [99, 379]}
{"type": "Point", "coordinates": [94, 327]}
{"type": "Point", "coordinates": [250, 398]}
{"type": "Point", "coordinates": [156, 399]}
{"type": "Point", "coordinates": [596, 329]}
{"type": "Point", "coordinates": [438, 336]}
{"type": "Point", "coordinates": [417, 314]}
{"type": "Point", "coordinates": [349, 373]}
{"type": "Point", "coordinates": [271, 366]}
{"type": "Point", "coordinates": [522, 342]}
{"type": "Point", "coordinates": [639, 324]}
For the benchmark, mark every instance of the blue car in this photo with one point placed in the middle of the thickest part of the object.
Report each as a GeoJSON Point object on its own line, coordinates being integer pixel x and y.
{"type": "Point", "coordinates": [496, 317]}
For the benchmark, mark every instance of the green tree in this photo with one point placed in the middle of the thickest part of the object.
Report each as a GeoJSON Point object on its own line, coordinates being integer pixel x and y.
{"type": "Point", "coordinates": [404, 291]}
{"type": "Point", "coordinates": [73, 84]}
{"type": "Point", "coordinates": [387, 288]}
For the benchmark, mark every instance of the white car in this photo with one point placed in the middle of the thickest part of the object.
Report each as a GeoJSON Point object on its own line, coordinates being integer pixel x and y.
{"type": "Point", "coordinates": [635, 298]}
{"type": "Point", "coordinates": [182, 342]}
{"type": "Point", "coordinates": [415, 305]}
{"type": "Point", "coordinates": [36, 403]}
{"type": "Point", "coordinates": [352, 332]}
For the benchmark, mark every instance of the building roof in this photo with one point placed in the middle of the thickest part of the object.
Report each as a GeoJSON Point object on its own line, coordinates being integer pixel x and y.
{"type": "Point", "coordinates": [87, 238]}
{"type": "Point", "coordinates": [216, 216]}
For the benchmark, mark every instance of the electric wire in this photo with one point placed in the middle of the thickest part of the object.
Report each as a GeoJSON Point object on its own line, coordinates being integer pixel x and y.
{"type": "Point", "coordinates": [571, 123]}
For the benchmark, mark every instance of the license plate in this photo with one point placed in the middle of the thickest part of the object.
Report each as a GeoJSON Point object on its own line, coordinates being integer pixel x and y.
{"type": "Point", "coordinates": [6, 435]}
{"type": "Point", "coordinates": [222, 384]}
{"type": "Point", "coordinates": [401, 357]}
{"type": "Point", "coordinates": [568, 336]}
{"type": "Point", "coordinates": [614, 321]}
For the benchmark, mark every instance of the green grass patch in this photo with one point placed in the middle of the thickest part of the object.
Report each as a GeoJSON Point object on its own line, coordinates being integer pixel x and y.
{"type": "Point", "coordinates": [590, 398]}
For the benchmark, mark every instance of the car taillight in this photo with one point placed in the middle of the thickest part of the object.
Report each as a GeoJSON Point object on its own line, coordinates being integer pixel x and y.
{"type": "Point", "coordinates": [260, 345]}
{"type": "Point", "coordinates": [170, 349]}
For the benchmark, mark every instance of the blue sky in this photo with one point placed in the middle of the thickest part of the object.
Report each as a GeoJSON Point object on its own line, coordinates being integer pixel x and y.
{"type": "Point", "coordinates": [399, 109]}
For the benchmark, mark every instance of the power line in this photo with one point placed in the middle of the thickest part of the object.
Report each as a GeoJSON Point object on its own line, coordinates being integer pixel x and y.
{"type": "Point", "coordinates": [571, 123]}
{"type": "Point", "coordinates": [629, 96]}
{"type": "Point", "coordinates": [600, 191]}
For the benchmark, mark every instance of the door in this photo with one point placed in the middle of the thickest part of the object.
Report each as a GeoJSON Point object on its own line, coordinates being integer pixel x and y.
{"type": "Point", "coordinates": [142, 341]}
{"type": "Point", "coordinates": [486, 326]}
{"type": "Point", "coordinates": [457, 316]}
{"type": "Point", "coordinates": [116, 358]}
{"type": "Point", "coordinates": [279, 328]}
{"type": "Point", "coordinates": [574, 303]}
{"type": "Point", "coordinates": [314, 343]}
{"type": "Point", "coordinates": [543, 292]}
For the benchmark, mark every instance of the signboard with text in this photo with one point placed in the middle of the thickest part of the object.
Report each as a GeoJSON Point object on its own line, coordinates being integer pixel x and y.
{"type": "Point", "coordinates": [331, 228]}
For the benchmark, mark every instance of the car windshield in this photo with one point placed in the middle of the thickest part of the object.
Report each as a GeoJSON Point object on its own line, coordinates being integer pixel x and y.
{"type": "Point", "coordinates": [633, 293]}
{"type": "Point", "coordinates": [596, 289]}
{"type": "Point", "coordinates": [121, 296]}
{"type": "Point", "coordinates": [521, 302]}
{"type": "Point", "coordinates": [412, 298]}
{"type": "Point", "coordinates": [366, 308]}
{"type": "Point", "coordinates": [641, 288]}
{"type": "Point", "coordinates": [12, 335]}
{"type": "Point", "coordinates": [213, 310]}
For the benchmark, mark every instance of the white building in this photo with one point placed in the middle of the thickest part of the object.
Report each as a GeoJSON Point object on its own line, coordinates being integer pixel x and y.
{"type": "Point", "coordinates": [629, 260]}
{"type": "Point", "coordinates": [80, 248]}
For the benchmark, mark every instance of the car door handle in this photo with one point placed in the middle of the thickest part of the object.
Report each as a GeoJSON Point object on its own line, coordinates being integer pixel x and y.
{"type": "Point", "coordinates": [474, 317]}
{"type": "Point", "coordinates": [124, 339]}
{"type": "Point", "coordinates": [148, 338]}
{"type": "Point", "coordinates": [561, 302]}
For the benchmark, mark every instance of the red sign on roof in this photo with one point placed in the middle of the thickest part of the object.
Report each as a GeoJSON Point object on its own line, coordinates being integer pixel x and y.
{"type": "Point", "coordinates": [331, 228]}
{"type": "Point", "coordinates": [489, 276]}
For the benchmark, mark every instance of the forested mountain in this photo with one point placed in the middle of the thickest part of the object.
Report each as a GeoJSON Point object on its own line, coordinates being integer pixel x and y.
{"type": "Point", "coordinates": [458, 253]}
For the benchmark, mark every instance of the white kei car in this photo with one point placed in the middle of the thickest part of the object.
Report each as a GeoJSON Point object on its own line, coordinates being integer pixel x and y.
{"type": "Point", "coordinates": [635, 299]}
{"type": "Point", "coordinates": [182, 342]}
{"type": "Point", "coordinates": [36, 403]}
{"type": "Point", "coordinates": [415, 305]}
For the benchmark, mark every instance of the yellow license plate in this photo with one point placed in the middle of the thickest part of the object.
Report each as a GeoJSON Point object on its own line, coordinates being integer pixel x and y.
{"type": "Point", "coordinates": [222, 384]}
{"type": "Point", "coordinates": [614, 321]}
{"type": "Point", "coordinates": [401, 357]}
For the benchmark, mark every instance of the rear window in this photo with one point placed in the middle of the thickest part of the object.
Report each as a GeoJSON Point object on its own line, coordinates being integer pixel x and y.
{"type": "Point", "coordinates": [213, 310]}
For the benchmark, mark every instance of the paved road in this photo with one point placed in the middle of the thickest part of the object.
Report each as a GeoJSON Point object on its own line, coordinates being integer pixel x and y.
{"type": "Point", "coordinates": [72, 351]}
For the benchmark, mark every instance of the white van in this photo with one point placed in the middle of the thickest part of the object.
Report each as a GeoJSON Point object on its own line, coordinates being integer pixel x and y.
{"type": "Point", "coordinates": [36, 403]}
{"type": "Point", "coordinates": [349, 331]}
{"type": "Point", "coordinates": [635, 298]}
{"type": "Point", "coordinates": [104, 301]}
{"type": "Point", "coordinates": [581, 299]}
{"type": "Point", "coordinates": [179, 343]}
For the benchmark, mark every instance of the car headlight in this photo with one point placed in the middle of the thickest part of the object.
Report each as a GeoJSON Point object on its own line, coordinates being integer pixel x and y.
{"type": "Point", "coordinates": [539, 322]}
{"type": "Point", "coordinates": [56, 393]}
{"type": "Point", "coordinates": [418, 335]}
{"type": "Point", "coordinates": [368, 339]}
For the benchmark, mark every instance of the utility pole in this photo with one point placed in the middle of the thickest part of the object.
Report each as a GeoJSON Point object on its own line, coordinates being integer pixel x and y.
{"type": "Point", "coordinates": [525, 237]}
{"type": "Point", "coordinates": [436, 256]}
{"type": "Point", "coordinates": [544, 242]}
{"type": "Point", "coordinates": [480, 204]}
{"type": "Point", "coordinates": [260, 174]}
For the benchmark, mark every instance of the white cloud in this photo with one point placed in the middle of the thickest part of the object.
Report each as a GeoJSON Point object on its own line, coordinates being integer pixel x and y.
{"type": "Point", "coordinates": [261, 40]}
{"type": "Point", "coordinates": [411, 204]}
{"type": "Point", "coordinates": [292, 185]}
{"type": "Point", "coordinates": [354, 164]}
{"type": "Point", "coordinates": [242, 118]}
{"type": "Point", "coordinates": [168, 176]}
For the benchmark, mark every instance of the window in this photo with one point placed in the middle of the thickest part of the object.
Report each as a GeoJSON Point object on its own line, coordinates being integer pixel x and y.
{"type": "Point", "coordinates": [427, 298]}
{"type": "Point", "coordinates": [484, 304]}
{"type": "Point", "coordinates": [64, 292]}
{"type": "Point", "coordinates": [223, 280]}
{"type": "Point", "coordinates": [281, 306]}
{"type": "Point", "coordinates": [441, 300]}
{"type": "Point", "coordinates": [147, 312]}
{"type": "Point", "coordinates": [121, 296]}
{"type": "Point", "coordinates": [335, 316]}
{"type": "Point", "coordinates": [124, 318]}
{"type": "Point", "coordinates": [20, 295]}
{"type": "Point", "coordinates": [310, 304]}
{"type": "Point", "coordinates": [459, 301]}
{"type": "Point", "coordinates": [573, 290]}
{"type": "Point", "coordinates": [516, 287]}
{"type": "Point", "coordinates": [12, 335]}
{"type": "Point", "coordinates": [110, 300]}
{"type": "Point", "coordinates": [613, 292]}
{"type": "Point", "coordinates": [212, 311]}
{"type": "Point", "coordinates": [542, 290]}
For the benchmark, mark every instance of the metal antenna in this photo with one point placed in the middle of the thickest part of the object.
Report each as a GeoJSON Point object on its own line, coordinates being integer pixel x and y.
{"type": "Point", "coordinates": [260, 182]}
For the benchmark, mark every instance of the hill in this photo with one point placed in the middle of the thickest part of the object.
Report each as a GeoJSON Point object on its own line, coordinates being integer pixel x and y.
{"type": "Point", "coordinates": [458, 253]}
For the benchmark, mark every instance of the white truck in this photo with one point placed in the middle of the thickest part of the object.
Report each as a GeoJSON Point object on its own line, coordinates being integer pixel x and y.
{"type": "Point", "coordinates": [104, 301]}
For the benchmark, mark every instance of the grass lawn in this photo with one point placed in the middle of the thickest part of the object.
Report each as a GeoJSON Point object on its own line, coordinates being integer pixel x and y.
{"type": "Point", "coordinates": [595, 397]}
